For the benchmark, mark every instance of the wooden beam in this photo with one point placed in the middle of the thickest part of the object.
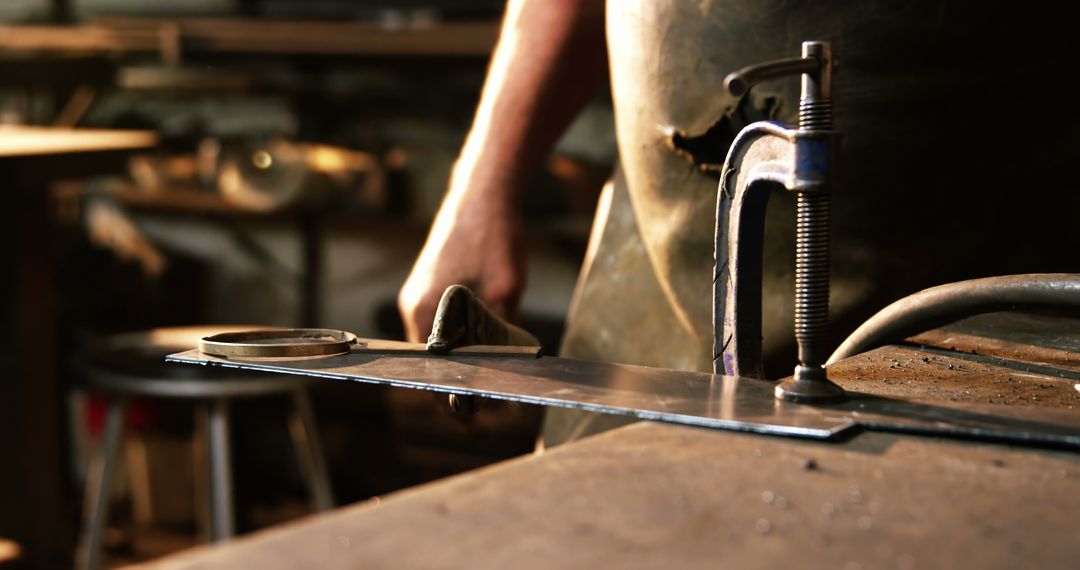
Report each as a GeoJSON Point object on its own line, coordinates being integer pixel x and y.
{"type": "Point", "coordinates": [450, 39]}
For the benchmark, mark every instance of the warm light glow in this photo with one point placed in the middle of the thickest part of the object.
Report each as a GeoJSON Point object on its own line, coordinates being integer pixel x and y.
{"type": "Point", "coordinates": [9, 550]}
{"type": "Point", "coordinates": [262, 160]}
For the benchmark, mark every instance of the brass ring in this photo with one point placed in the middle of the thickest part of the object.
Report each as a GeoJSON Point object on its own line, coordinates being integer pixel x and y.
{"type": "Point", "coordinates": [295, 343]}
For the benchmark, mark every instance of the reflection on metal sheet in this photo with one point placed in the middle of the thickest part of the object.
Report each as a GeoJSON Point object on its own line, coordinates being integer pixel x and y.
{"type": "Point", "coordinates": [690, 398]}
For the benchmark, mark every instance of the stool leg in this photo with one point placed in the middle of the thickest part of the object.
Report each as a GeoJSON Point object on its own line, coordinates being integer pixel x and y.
{"type": "Point", "coordinates": [309, 453]}
{"type": "Point", "coordinates": [201, 460]}
{"type": "Point", "coordinates": [98, 481]}
{"type": "Point", "coordinates": [222, 517]}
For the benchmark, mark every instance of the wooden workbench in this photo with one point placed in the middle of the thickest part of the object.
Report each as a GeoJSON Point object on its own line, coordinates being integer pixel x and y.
{"type": "Point", "coordinates": [663, 496]}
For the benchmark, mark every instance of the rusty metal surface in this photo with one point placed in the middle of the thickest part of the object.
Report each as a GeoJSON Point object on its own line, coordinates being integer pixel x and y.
{"type": "Point", "coordinates": [943, 304]}
{"type": "Point", "coordinates": [1011, 359]}
{"type": "Point", "coordinates": [984, 362]}
{"type": "Point", "coordinates": [954, 377]}
{"type": "Point", "coordinates": [1013, 339]}
{"type": "Point", "coordinates": [659, 496]}
{"type": "Point", "coordinates": [1060, 362]}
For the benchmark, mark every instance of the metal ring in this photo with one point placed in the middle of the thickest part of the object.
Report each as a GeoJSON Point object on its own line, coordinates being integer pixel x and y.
{"type": "Point", "coordinates": [294, 343]}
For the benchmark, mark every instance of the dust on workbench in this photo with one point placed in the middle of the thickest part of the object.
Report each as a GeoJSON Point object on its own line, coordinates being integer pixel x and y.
{"type": "Point", "coordinates": [1001, 358]}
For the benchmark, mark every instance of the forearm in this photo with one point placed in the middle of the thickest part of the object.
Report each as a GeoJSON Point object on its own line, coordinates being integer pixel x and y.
{"type": "Point", "coordinates": [550, 59]}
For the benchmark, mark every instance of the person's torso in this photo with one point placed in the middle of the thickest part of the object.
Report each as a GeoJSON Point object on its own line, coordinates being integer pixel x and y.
{"type": "Point", "coordinates": [958, 125]}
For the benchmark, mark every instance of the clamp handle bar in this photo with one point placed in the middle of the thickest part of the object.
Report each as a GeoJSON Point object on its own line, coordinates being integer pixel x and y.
{"type": "Point", "coordinates": [739, 82]}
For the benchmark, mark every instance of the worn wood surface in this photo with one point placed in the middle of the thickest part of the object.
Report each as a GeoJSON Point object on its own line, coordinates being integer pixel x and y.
{"type": "Point", "coordinates": [661, 496]}
{"type": "Point", "coordinates": [664, 496]}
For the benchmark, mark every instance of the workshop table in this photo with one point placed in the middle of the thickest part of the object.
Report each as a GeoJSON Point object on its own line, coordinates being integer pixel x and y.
{"type": "Point", "coordinates": [654, 495]}
{"type": "Point", "coordinates": [34, 493]}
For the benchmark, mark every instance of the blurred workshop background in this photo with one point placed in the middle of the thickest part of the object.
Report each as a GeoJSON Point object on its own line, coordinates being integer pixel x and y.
{"type": "Point", "coordinates": [265, 162]}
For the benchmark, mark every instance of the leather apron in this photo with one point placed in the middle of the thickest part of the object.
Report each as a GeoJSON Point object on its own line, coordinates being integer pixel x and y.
{"type": "Point", "coordinates": [959, 129]}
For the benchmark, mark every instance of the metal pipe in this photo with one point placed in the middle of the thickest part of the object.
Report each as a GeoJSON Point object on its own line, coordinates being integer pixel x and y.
{"type": "Point", "coordinates": [944, 304]}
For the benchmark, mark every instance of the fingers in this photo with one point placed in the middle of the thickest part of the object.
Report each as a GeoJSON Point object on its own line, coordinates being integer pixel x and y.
{"type": "Point", "coordinates": [417, 308]}
{"type": "Point", "coordinates": [487, 259]}
{"type": "Point", "coordinates": [417, 303]}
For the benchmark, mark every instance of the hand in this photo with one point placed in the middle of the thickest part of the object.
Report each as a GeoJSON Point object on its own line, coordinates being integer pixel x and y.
{"type": "Point", "coordinates": [474, 242]}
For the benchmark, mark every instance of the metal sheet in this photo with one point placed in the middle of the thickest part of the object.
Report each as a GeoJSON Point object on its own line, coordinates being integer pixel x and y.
{"type": "Point", "coordinates": [689, 398]}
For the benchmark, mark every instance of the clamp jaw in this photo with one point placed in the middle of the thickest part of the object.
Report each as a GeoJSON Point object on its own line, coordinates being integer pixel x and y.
{"type": "Point", "coordinates": [801, 160]}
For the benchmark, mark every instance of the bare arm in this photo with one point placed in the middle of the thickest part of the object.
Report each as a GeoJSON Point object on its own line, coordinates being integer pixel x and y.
{"type": "Point", "coordinates": [549, 60]}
